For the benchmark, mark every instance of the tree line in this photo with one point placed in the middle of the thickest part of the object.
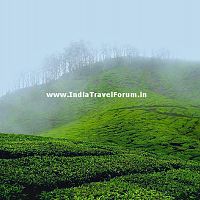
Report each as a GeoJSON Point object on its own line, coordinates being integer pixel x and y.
{"type": "Point", "coordinates": [80, 56]}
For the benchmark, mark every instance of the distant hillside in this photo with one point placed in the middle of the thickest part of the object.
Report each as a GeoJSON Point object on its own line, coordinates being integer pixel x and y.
{"type": "Point", "coordinates": [166, 121]}
{"type": "Point", "coordinates": [28, 110]}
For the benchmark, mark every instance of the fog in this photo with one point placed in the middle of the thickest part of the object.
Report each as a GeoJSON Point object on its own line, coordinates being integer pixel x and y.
{"type": "Point", "coordinates": [31, 30]}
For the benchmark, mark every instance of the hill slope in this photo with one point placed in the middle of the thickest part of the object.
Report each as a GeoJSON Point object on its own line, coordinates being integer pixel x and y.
{"type": "Point", "coordinates": [28, 110]}
{"type": "Point", "coordinates": [124, 148]}
{"type": "Point", "coordinates": [166, 122]}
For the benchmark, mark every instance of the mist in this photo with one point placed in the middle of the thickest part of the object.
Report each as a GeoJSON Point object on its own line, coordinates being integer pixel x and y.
{"type": "Point", "coordinates": [34, 29]}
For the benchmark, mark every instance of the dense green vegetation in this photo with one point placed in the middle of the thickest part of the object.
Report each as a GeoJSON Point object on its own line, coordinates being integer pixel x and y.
{"type": "Point", "coordinates": [105, 148]}
{"type": "Point", "coordinates": [114, 189]}
{"type": "Point", "coordinates": [161, 129]}
{"type": "Point", "coordinates": [37, 172]}
{"type": "Point", "coordinates": [13, 146]}
{"type": "Point", "coordinates": [172, 184]}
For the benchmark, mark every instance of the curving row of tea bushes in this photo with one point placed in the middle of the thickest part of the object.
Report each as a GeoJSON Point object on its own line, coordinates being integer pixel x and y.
{"type": "Point", "coordinates": [51, 171]}
{"type": "Point", "coordinates": [16, 146]}
{"type": "Point", "coordinates": [180, 184]}
{"type": "Point", "coordinates": [131, 175]}
{"type": "Point", "coordinates": [46, 173]}
{"type": "Point", "coordinates": [114, 189]}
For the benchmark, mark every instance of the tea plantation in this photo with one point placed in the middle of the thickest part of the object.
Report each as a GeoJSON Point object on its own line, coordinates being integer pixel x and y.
{"type": "Point", "coordinates": [33, 167]}
{"type": "Point", "coordinates": [105, 148]}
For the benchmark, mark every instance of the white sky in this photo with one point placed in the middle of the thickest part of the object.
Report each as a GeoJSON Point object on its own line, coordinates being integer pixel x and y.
{"type": "Point", "coordinates": [32, 29]}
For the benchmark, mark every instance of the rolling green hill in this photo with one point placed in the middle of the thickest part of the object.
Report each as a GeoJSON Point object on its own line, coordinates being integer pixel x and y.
{"type": "Point", "coordinates": [166, 83]}
{"type": "Point", "coordinates": [108, 148]}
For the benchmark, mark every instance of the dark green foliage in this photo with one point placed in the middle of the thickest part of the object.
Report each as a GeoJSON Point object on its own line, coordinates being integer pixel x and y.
{"type": "Point", "coordinates": [177, 184]}
{"type": "Point", "coordinates": [140, 175]}
{"type": "Point", "coordinates": [46, 173]}
{"type": "Point", "coordinates": [181, 183]}
{"type": "Point", "coordinates": [114, 189]}
{"type": "Point", "coordinates": [11, 191]}
{"type": "Point", "coordinates": [16, 146]}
